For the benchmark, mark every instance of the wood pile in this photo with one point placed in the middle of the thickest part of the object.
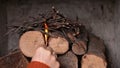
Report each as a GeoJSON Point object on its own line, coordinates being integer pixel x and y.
{"type": "Point", "coordinates": [69, 39]}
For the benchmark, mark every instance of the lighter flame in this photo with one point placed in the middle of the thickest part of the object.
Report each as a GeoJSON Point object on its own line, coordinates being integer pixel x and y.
{"type": "Point", "coordinates": [46, 30]}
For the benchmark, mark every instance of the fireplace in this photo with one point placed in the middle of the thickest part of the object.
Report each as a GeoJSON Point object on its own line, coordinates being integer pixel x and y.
{"type": "Point", "coordinates": [101, 17]}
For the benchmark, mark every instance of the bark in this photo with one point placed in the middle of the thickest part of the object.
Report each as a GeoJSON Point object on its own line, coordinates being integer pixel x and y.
{"type": "Point", "coordinates": [69, 60]}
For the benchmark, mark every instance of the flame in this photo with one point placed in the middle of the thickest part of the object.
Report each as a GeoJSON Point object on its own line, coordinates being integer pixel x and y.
{"type": "Point", "coordinates": [46, 30]}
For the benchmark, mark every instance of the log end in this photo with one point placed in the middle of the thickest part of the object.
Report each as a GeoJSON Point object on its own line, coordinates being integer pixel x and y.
{"type": "Point", "coordinates": [30, 41]}
{"type": "Point", "coordinates": [79, 48]}
{"type": "Point", "coordinates": [59, 45]}
{"type": "Point", "coordinates": [93, 61]}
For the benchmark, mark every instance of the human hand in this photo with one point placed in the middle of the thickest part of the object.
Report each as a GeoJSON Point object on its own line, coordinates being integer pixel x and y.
{"type": "Point", "coordinates": [43, 55]}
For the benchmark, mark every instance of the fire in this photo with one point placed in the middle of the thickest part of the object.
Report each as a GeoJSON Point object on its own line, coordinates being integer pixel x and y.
{"type": "Point", "coordinates": [46, 30]}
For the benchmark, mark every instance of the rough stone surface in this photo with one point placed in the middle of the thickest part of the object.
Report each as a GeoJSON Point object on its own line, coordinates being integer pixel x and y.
{"type": "Point", "coordinates": [101, 17]}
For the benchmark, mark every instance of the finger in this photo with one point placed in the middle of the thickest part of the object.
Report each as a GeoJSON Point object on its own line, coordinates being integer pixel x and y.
{"type": "Point", "coordinates": [57, 65]}
{"type": "Point", "coordinates": [54, 54]}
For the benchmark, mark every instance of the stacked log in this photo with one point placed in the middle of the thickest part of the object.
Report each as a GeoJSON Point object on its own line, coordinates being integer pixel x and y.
{"type": "Point", "coordinates": [58, 43]}
{"type": "Point", "coordinates": [68, 60]}
{"type": "Point", "coordinates": [30, 41]}
{"type": "Point", "coordinates": [95, 57]}
{"type": "Point", "coordinates": [79, 48]}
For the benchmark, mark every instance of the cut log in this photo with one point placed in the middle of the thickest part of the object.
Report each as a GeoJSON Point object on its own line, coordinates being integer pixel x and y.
{"type": "Point", "coordinates": [59, 44]}
{"type": "Point", "coordinates": [95, 57]}
{"type": "Point", "coordinates": [79, 48]}
{"type": "Point", "coordinates": [68, 60]}
{"type": "Point", "coordinates": [13, 60]}
{"type": "Point", "coordinates": [30, 41]}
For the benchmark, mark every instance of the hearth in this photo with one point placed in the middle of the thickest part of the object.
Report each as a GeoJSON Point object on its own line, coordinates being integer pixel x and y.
{"type": "Point", "coordinates": [90, 29]}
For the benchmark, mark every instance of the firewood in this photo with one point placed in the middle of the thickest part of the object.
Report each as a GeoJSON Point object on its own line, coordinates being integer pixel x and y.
{"type": "Point", "coordinates": [79, 48]}
{"type": "Point", "coordinates": [71, 37]}
{"type": "Point", "coordinates": [95, 57]}
{"type": "Point", "coordinates": [59, 44]}
{"type": "Point", "coordinates": [68, 60]}
{"type": "Point", "coordinates": [30, 41]}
